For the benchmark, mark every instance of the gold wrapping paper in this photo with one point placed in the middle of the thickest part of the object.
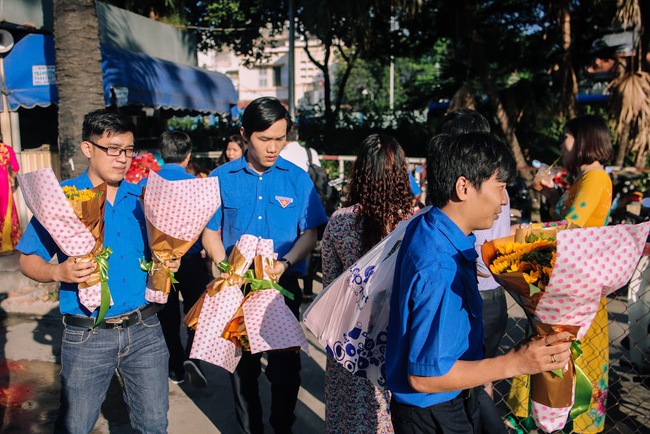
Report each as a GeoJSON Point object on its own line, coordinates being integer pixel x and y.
{"type": "Point", "coordinates": [548, 388]}
{"type": "Point", "coordinates": [238, 265]}
{"type": "Point", "coordinates": [91, 214]}
{"type": "Point", "coordinates": [163, 249]}
{"type": "Point", "coordinates": [235, 331]}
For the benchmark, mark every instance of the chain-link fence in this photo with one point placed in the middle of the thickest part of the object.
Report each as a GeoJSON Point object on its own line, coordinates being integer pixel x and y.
{"type": "Point", "coordinates": [628, 399]}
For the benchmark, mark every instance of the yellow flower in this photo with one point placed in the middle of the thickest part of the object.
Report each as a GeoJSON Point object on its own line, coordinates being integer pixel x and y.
{"type": "Point", "coordinates": [532, 277]}
{"type": "Point", "coordinates": [84, 195]}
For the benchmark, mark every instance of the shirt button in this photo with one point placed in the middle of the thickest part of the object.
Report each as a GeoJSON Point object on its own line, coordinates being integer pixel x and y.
{"type": "Point", "coordinates": [260, 178]}
{"type": "Point", "coordinates": [259, 197]}
{"type": "Point", "coordinates": [118, 234]}
{"type": "Point", "coordinates": [124, 280]}
{"type": "Point", "coordinates": [259, 217]}
{"type": "Point", "coordinates": [121, 256]}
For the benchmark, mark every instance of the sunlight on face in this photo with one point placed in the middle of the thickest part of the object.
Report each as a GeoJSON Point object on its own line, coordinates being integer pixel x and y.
{"type": "Point", "coordinates": [233, 151]}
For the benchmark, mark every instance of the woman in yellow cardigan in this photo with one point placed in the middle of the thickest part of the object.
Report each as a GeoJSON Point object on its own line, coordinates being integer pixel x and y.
{"type": "Point", "coordinates": [586, 148]}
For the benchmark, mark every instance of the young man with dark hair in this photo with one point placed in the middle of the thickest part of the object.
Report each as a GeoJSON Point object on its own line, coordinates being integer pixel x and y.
{"type": "Point", "coordinates": [192, 276]}
{"type": "Point", "coordinates": [130, 338]}
{"type": "Point", "coordinates": [262, 194]}
{"type": "Point", "coordinates": [434, 350]}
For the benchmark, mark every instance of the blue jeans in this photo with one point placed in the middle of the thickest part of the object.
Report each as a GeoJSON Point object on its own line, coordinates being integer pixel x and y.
{"type": "Point", "coordinates": [89, 359]}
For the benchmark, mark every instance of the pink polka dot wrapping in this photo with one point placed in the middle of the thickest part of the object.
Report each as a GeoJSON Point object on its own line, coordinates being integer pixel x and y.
{"type": "Point", "coordinates": [181, 209]}
{"type": "Point", "coordinates": [216, 313]}
{"type": "Point", "coordinates": [91, 297]}
{"type": "Point", "coordinates": [270, 324]}
{"type": "Point", "coordinates": [265, 251]}
{"type": "Point", "coordinates": [46, 200]}
{"type": "Point", "coordinates": [550, 419]}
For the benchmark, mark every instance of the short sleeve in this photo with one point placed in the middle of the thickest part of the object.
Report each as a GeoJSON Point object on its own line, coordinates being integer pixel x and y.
{"type": "Point", "coordinates": [439, 326]}
{"type": "Point", "coordinates": [215, 222]}
{"type": "Point", "coordinates": [313, 213]}
{"type": "Point", "coordinates": [37, 241]}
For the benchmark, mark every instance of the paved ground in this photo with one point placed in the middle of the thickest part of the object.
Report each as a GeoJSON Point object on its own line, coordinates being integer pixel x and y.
{"type": "Point", "coordinates": [29, 382]}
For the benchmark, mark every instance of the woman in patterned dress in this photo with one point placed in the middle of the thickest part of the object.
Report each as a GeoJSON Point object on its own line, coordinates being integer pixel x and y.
{"type": "Point", "coordinates": [9, 222]}
{"type": "Point", "coordinates": [379, 198]}
{"type": "Point", "coordinates": [586, 148]}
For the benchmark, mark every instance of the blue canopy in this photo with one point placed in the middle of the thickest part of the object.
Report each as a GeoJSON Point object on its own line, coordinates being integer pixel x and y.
{"type": "Point", "coordinates": [135, 78]}
{"type": "Point", "coordinates": [30, 73]}
{"type": "Point", "coordinates": [129, 78]}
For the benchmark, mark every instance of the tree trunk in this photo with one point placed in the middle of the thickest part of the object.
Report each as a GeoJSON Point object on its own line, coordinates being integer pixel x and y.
{"type": "Point", "coordinates": [569, 88]}
{"type": "Point", "coordinates": [78, 76]}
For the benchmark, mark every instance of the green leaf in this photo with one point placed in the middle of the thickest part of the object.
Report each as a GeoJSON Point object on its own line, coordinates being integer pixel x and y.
{"type": "Point", "coordinates": [533, 289]}
{"type": "Point", "coordinates": [558, 372]}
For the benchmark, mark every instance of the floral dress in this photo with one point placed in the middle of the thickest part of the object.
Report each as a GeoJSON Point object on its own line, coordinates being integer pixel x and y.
{"type": "Point", "coordinates": [352, 404]}
{"type": "Point", "coordinates": [9, 222]}
{"type": "Point", "coordinates": [586, 204]}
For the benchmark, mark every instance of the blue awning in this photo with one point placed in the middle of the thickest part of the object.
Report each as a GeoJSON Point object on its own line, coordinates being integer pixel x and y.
{"type": "Point", "coordinates": [135, 78]}
{"type": "Point", "coordinates": [129, 78]}
{"type": "Point", "coordinates": [30, 73]}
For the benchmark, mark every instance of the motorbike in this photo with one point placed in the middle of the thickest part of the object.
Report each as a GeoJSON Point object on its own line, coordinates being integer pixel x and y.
{"type": "Point", "coordinates": [627, 198]}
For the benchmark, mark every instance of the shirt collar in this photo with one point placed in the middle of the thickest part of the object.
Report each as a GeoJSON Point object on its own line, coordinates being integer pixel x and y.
{"type": "Point", "coordinates": [242, 164]}
{"type": "Point", "coordinates": [463, 243]}
{"type": "Point", "coordinates": [125, 188]}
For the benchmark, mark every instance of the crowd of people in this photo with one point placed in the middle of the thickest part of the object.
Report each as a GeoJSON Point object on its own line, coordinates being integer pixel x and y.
{"type": "Point", "coordinates": [447, 314]}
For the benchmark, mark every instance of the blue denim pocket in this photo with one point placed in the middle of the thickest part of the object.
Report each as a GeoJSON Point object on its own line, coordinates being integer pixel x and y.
{"type": "Point", "coordinates": [75, 335]}
{"type": "Point", "coordinates": [152, 321]}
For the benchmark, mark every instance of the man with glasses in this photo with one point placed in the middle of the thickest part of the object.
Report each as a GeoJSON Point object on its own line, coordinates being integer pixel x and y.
{"type": "Point", "coordinates": [129, 340]}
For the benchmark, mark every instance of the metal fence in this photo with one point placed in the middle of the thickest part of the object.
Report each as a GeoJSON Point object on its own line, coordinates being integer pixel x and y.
{"type": "Point", "coordinates": [628, 401]}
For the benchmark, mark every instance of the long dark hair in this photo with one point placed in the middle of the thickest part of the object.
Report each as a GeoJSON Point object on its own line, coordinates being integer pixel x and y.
{"type": "Point", "coordinates": [379, 183]}
{"type": "Point", "coordinates": [235, 138]}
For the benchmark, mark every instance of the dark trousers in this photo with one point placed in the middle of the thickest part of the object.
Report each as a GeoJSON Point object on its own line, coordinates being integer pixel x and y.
{"type": "Point", "coordinates": [192, 276]}
{"type": "Point", "coordinates": [458, 416]}
{"type": "Point", "coordinates": [282, 371]}
{"type": "Point", "coordinates": [495, 320]}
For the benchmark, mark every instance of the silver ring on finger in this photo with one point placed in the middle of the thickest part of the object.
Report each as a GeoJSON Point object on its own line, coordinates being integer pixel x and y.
{"type": "Point", "coordinates": [553, 358]}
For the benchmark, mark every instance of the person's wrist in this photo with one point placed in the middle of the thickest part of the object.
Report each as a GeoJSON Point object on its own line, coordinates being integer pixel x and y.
{"type": "Point", "coordinates": [286, 262]}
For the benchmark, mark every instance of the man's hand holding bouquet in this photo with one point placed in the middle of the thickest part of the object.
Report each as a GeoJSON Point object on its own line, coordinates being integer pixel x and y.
{"type": "Point", "coordinates": [75, 221]}
{"type": "Point", "coordinates": [559, 276]}
{"type": "Point", "coordinates": [176, 212]}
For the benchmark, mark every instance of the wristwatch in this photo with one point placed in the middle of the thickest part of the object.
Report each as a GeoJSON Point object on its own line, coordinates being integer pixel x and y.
{"type": "Point", "coordinates": [286, 261]}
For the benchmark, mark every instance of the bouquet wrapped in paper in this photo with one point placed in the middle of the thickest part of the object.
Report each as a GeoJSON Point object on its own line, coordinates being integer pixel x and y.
{"type": "Point", "coordinates": [350, 317]}
{"type": "Point", "coordinates": [263, 321]}
{"type": "Point", "coordinates": [176, 213]}
{"type": "Point", "coordinates": [75, 221]}
{"type": "Point", "coordinates": [559, 278]}
{"type": "Point", "coordinates": [217, 305]}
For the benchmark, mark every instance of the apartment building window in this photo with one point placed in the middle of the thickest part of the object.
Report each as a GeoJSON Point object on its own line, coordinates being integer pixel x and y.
{"type": "Point", "coordinates": [263, 77]}
{"type": "Point", "coordinates": [277, 76]}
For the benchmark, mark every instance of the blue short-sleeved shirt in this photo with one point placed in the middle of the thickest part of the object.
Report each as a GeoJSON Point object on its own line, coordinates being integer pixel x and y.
{"type": "Point", "coordinates": [124, 232]}
{"type": "Point", "coordinates": [435, 311]}
{"type": "Point", "coordinates": [176, 172]}
{"type": "Point", "coordinates": [278, 204]}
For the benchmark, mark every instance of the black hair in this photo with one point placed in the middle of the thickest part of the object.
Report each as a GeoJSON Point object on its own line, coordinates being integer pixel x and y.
{"type": "Point", "coordinates": [101, 121]}
{"type": "Point", "coordinates": [292, 134]}
{"type": "Point", "coordinates": [175, 146]}
{"type": "Point", "coordinates": [235, 138]}
{"type": "Point", "coordinates": [464, 121]}
{"type": "Point", "coordinates": [475, 156]}
{"type": "Point", "coordinates": [263, 112]}
{"type": "Point", "coordinates": [592, 141]}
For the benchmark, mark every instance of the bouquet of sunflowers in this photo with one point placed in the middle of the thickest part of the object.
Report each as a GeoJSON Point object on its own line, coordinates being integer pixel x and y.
{"type": "Point", "coordinates": [559, 277]}
{"type": "Point", "coordinates": [75, 220]}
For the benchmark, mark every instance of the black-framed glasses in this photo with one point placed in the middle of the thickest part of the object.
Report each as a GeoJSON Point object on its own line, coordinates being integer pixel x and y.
{"type": "Point", "coordinates": [114, 151]}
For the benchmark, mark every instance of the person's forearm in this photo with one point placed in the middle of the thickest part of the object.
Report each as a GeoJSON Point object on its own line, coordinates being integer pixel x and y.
{"type": "Point", "coordinates": [213, 245]}
{"type": "Point", "coordinates": [303, 245]}
{"type": "Point", "coordinates": [465, 375]}
{"type": "Point", "coordinates": [38, 269]}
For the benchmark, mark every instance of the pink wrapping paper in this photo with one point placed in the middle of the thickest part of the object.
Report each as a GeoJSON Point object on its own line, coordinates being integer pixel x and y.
{"type": "Point", "coordinates": [590, 264]}
{"type": "Point", "coordinates": [179, 209]}
{"type": "Point", "coordinates": [215, 314]}
{"type": "Point", "coordinates": [270, 323]}
{"type": "Point", "coordinates": [46, 200]}
{"type": "Point", "coordinates": [208, 345]}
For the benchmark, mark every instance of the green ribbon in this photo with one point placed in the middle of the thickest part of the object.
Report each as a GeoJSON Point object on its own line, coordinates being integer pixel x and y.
{"type": "Point", "coordinates": [583, 386]}
{"type": "Point", "coordinates": [147, 266]}
{"type": "Point", "coordinates": [224, 266]}
{"type": "Point", "coordinates": [105, 300]}
{"type": "Point", "coordinates": [256, 284]}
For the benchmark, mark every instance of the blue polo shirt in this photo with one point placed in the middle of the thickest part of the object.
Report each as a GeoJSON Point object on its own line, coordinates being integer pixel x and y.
{"type": "Point", "coordinates": [435, 307]}
{"type": "Point", "coordinates": [176, 172]}
{"type": "Point", "coordinates": [278, 204]}
{"type": "Point", "coordinates": [124, 232]}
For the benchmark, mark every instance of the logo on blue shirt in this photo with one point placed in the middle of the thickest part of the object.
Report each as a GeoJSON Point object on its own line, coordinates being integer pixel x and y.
{"type": "Point", "coordinates": [284, 201]}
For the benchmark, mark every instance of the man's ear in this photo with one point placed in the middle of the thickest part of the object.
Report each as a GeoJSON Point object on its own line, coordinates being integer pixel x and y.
{"type": "Point", "coordinates": [242, 132]}
{"type": "Point", "coordinates": [462, 188]}
{"type": "Point", "coordinates": [85, 148]}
